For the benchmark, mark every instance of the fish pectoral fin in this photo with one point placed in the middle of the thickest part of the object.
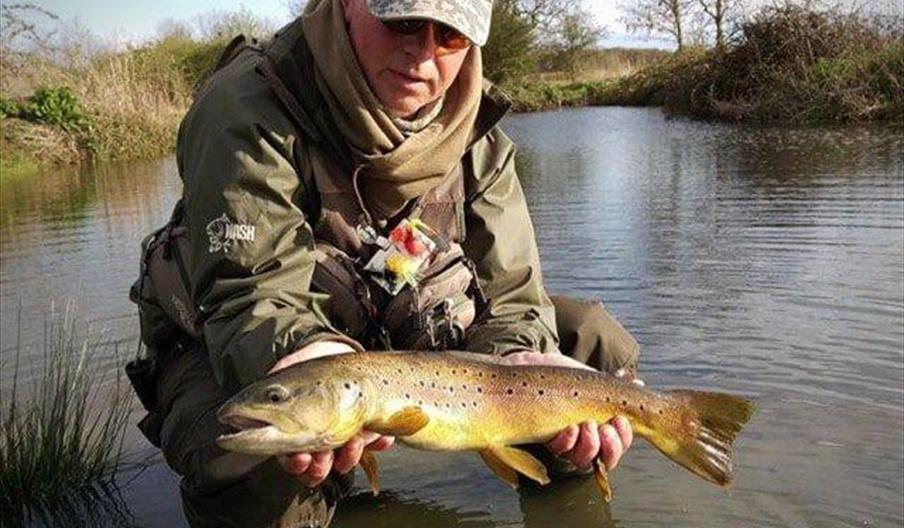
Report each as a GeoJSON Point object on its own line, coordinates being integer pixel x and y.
{"type": "Point", "coordinates": [369, 465]}
{"type": "Point", "coordinates": [602, 480]}
{"type": "Point", "coordinates": [404, 422]}
{"type": "Point", "coordinates": [500, 468]}
{"type": "Point", "coordinates": [522, 462]}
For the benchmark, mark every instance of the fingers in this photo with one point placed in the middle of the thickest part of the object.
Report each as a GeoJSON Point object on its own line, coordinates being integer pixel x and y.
{"type": "Point", "coordinates": [296, 464]}
{"type": "Point", "coordinates": [381, 444]}
{"type": "Point", "coordinates": [347, 456]}
{"type": "Point", "coordinates": [321, 465]}
{"type": "Point", "coordinates": [549, 360]}
{"type": "Point", "coordinates": [313, 468]}
{"type": "Point", "coordinates": [623, 428]}
{"type": "Point", "coordinates": [564, 441]}
{"type": "Point", "coordinates": [611, 447]}
{"type": "Point", "coordinates": [582, 444]}
{"type": "Point", "coordinates": [587, 447]}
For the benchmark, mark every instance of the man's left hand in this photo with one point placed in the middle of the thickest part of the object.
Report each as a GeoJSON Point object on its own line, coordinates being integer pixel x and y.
{"type": "Point", "coordinates": [582, 444]}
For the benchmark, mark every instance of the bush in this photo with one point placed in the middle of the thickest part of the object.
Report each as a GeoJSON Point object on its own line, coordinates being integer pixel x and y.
{"type": "Point", "coordinates": [789, 64]}
{"type": "Point", "coordinates": [56, 106]}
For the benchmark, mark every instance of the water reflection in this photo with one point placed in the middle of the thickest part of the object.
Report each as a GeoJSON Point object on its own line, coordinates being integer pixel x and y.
{"type": "Point", "coordinates": [98, 505]}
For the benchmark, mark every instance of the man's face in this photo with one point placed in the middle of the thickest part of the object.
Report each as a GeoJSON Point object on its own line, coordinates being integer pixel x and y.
{"type": "Point", "coordinates": [405, 72]}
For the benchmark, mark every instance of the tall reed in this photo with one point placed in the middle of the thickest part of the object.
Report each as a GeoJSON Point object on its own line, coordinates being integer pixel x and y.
{"type": "Point", "coordinates": [64, 434]}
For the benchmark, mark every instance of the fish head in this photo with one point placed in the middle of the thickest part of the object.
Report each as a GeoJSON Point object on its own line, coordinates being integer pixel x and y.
{"type": "Point", "coordinates": [293, 411]}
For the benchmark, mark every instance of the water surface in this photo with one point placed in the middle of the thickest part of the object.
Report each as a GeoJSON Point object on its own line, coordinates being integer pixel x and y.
{"type": "Point", "coordinates": [764, 261]}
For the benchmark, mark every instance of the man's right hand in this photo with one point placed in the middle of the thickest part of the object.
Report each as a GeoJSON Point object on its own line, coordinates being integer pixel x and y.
{"type": "Point", "coordinates": [313, 468]}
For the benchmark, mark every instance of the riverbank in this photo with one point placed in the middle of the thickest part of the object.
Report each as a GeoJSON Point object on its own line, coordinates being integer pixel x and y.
{"type": "Point", "coordinates": [787, 65]}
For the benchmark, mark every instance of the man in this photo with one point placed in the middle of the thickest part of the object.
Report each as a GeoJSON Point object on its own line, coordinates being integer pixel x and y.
{"type": "Point", "coordinates": [306, 163]}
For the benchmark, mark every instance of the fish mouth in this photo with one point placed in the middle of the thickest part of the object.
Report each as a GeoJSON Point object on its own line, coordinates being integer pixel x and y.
{"type": "Point", "coordinates": [245, 424]}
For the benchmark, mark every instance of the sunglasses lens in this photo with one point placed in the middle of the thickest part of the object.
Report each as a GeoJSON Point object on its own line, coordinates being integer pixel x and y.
{"type": "Point", "coordinates": [446, 37]}
{"type": "Point", "coordinates": [405, 27]}
{"type": "Point", "coordinates": [451, 39]}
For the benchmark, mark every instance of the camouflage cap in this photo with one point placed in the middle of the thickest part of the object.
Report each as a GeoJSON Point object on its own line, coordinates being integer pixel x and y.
{"type": "Point", "coordinates": [470, 17]}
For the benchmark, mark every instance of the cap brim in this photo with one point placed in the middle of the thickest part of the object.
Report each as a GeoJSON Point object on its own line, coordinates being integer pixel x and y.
{"type": "Point", "coordinates": [476, 33]}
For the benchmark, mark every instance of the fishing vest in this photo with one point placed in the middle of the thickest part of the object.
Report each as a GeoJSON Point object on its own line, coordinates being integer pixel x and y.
{"type": "Point", "coordinates": [432, 315]}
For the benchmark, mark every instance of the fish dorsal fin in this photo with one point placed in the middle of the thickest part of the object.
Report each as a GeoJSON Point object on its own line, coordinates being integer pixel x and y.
{"type": "Point", "coordinates": [404, 422]}
{"type": "Point", "coordinates": [369, 465]}
{"type": "Point", "coordinates": [602, 480]}
{"type": "Point", "coordinates": [520, 461]}
{"type": "Point", "coordinates": [500, 468]}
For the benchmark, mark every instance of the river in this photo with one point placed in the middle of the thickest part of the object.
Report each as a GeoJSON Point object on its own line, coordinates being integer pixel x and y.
{"type": "Point", "coordinates": [758, 260]}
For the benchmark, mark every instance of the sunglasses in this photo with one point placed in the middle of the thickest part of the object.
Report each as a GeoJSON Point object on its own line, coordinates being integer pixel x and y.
{"type": "Point", "coordinates": [445, 36]}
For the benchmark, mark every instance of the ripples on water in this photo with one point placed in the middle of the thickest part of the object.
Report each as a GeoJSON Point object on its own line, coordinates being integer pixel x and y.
{"type": "Point", "coordinates": [756, 260]}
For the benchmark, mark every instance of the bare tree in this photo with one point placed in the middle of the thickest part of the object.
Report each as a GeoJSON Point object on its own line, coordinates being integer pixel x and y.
{"type": "Point", "coordinates": [667, 17]}
{"type": "Point", "coordinates": [18, 28]}
{"type": "Point", "coordinates": [720, 13]}
{"type": "Point", "coordinates": [224, 25]}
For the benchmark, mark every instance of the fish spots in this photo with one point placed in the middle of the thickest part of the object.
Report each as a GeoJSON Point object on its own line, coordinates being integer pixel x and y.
{"type": "Point", "coordinates": [624, 403]}
{"type": "Point", "coordinates": [509, 391]}
{"type": "Point", "coordinates": [432, 384]}
{"type": "Point", "coordinates": [385, 381]}
{"type": "Point", "coordinates": [480, 374]}
{"type": "Point", "coordinates": [474, 404]}
{"type": "Point", "coordinates": [641, 406]}
{"type": "Point", "coordinates": [575, 394]}
{"type": "Point", "coordinates": [348, 386]}
{"type": "Point", "coordinates": [464, 404]}
{"type": "Point", "coordinates": [407, 396]}
{"type": "Point", "coordinates": [524, 384]}
{"type": "Point", "coordinates": [541, 392]}
{"type": "Point", "coordinates": [463, 386]}
{"type": "Point", "coordinates": [480, 390]}
{"type": "Point", "coordinates": [422, 383]}
{"type": "Point", "coordinates": [454, 371]}
{"type": "Point", "coordinates": [319, 383]}
{"type": "Point", "coordinates": [493, 376]}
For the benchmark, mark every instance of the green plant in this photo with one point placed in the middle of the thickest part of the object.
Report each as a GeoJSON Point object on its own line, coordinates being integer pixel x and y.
{"type": "Point", "coordinates": [57, 106]}
{"type": "Point", "coordinates": [66, 434]}
{"type": "Point", "coordinates": [8, 107]}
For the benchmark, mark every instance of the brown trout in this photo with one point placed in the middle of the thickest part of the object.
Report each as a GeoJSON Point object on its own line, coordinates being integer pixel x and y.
{"type": "Point", "coordinates": [462, 401]}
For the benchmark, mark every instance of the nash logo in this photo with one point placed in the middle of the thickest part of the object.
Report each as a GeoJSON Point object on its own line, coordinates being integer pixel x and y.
{"type": "Point", "coordinates": [223, 234]}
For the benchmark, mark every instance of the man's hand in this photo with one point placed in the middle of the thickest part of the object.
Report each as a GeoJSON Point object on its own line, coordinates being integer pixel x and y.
{"type": "Point", "coordinates": [313, 468]}
{"type": "Point", "coordinates": [582, 444]}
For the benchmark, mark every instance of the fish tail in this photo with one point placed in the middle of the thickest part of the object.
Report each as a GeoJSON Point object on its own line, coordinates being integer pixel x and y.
{"type": "Point", "coordinates": [699, 435]}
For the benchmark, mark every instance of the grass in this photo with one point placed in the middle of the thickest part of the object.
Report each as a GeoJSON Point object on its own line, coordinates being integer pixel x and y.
{"type": "Point", "coordinates": [127, 105]}
{"type": "Point", "coordinates": [64, 437]}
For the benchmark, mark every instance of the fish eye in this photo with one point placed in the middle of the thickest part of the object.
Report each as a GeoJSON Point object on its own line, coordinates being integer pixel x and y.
{"type": "Point", "coordinates": [276, 394]}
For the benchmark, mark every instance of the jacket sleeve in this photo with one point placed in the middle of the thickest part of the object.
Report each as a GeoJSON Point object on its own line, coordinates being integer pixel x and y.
{"type": "Point", "coordinates": [251, 258]}
{"type": "Point", "coordinates": [500, 240]}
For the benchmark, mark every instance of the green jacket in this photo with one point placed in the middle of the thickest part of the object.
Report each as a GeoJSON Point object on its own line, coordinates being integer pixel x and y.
{"type": "Point", "coordinates": [240, 155]}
